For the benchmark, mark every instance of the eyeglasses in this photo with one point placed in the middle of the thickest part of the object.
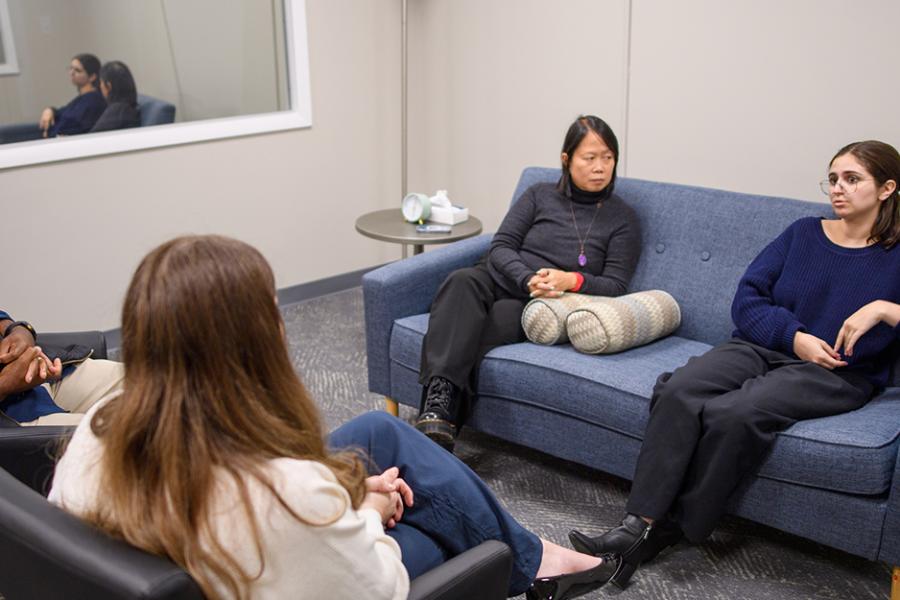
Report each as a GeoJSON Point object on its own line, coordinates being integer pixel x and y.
{"type": "Point", "coordinates": [848, 184]}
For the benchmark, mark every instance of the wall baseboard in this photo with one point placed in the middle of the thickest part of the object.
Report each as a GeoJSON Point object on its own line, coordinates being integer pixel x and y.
{"type": "Point", "coordinates": [288, 295]}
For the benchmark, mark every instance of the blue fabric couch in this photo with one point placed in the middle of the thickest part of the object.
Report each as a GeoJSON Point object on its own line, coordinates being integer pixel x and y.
{"type": "Point", "coordinates": [834, 480]}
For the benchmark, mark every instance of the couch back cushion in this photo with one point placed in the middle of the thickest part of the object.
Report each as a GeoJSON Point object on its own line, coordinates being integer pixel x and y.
{"type": "Point", "coordinates": [697, 242]}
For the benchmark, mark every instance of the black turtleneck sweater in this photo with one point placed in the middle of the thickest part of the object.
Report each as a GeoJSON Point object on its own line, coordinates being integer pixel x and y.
{"type": "Point", "coordinates": [538, 232]}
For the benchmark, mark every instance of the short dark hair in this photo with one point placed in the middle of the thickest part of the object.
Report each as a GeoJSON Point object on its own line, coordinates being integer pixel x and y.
{"type": "Point", "coordinates": [577, 130]}
{"type": "Point", "coordinates": [118, 77]}
{"type": "Point", "coordinates": [90, 63]}
{"type": "Point", "coordinates": [883, 163]}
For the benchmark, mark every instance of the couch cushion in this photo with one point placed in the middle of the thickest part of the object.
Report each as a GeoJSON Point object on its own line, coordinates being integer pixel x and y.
{"type": "Point", "coordinates": [611, 391]}
{"type": "Point", "coordinates": [854, 453]}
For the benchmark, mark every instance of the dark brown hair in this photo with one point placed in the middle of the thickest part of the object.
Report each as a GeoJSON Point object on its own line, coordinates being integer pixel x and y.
{"type": "Point", "coordinates": [210, 391]}
{"type": "Point", "coordinates": [117, 76]}
{"type": "Point", "coordinates": [883, 163]}
{"type": "Point", "coordinates": [91, 66]}
{"type": "Point", "coordinates": [577, 131]}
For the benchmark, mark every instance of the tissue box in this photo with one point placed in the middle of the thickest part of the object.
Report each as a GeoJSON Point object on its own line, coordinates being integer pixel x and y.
{"type": "Point", "coordinates": [448, 216]}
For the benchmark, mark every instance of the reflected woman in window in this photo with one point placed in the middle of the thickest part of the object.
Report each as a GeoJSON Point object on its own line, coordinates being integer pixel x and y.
{"type": "Point", "coordinates": [117, 86]}
{"type": "Point", "coordinates": [79, 115]}
{"type": "Point", "coordinates": [214, 456]}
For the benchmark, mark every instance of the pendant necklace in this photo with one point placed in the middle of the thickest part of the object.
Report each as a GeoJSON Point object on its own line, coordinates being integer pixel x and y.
{"type": "Point", "coordinates": [582, 259]}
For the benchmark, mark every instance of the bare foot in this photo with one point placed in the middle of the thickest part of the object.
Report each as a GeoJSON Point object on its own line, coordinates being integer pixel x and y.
{"type": "Point", "coordinates": [557, 560]}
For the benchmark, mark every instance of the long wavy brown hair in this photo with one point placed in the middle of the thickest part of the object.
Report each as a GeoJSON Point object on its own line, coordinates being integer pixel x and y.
{"type": "Point", "coordinates": [209, 390]}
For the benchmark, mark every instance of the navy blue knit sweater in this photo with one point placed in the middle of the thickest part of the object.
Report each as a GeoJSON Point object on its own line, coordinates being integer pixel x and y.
{"type": "Point", "coordinates": [803, 281]}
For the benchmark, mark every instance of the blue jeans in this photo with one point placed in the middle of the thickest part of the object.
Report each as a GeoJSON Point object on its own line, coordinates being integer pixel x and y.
{"type": "Point", "coordinates": [453, 509]}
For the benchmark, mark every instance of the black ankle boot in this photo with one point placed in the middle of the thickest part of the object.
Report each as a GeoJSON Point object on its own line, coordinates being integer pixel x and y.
{"type": "Point", "coordinates": [439, 408]}
{"type": "Point", "coordinates": [561, 587]}
{"type": "Point", "coordinates": [635, 540]}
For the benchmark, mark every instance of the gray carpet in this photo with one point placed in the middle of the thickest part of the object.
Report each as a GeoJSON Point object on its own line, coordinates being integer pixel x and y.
{"type": "Point", "coordinates": [742, 560]}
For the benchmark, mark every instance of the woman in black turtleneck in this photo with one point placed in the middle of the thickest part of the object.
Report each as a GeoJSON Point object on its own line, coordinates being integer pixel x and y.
{"type": "Point", "coordinates": [575, 236]}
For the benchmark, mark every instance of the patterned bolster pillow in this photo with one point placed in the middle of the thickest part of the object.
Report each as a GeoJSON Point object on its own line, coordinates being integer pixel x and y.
{"type": "Point", "coordinates": [609, 325]}
{"type": "Point", "coordinates": [544, 319]}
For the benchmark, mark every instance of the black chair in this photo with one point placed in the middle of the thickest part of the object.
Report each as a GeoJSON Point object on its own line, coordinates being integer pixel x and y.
{"type": "Point", "coordinates": [47, 553]}
{"type": "Point", "coordinates": [26, 452]}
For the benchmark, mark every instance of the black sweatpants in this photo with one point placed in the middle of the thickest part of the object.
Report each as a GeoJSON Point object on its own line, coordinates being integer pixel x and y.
{"type": "Point", "coordinates": [712, 420]}
{"type": "Point", "coordinates": [470, 315]}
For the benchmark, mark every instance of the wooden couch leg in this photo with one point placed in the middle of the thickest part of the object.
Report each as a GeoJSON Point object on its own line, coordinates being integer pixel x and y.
{"type": "Point", "coordinates": [393, 408]}
{"type": "Point", "coordinates": [895, 584]}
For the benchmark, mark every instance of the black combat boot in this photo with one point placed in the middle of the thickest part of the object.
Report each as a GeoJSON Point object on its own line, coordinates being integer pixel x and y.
{"type": "Point", "coordinates": [438, 415]}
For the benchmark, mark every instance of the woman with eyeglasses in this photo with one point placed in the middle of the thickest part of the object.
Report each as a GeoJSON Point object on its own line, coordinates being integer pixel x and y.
{"type": "Point", "coordinates": [214, 456]}
{"type": "Point", "coordinates": [79, 115]}
{"type": "Point", "coordinates": [816, 317]}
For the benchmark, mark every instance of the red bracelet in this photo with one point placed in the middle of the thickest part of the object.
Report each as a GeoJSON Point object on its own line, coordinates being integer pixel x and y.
{"type": "Point", "coordinates": [579, 281]}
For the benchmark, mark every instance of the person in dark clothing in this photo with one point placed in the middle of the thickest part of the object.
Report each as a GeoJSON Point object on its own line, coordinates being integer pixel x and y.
{"type": "Point", "coordinates": [816, 317]}
{"type": "Point", "coordinates": [575, 236]}
{"type": "Point", "coordinates": [117, 86]}
{"type": "Point", "coordinates": [79, 115]}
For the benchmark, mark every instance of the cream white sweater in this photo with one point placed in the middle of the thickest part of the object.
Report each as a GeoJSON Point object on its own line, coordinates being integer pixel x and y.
{"type": "Point", "coordinates": [343, 553]}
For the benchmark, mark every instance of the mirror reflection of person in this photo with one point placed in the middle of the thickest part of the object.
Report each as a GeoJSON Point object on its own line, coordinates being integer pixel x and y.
{"type": "Point", "coordinates": [117, 86]}
{"type": "Point", "coordinates": [79, 115]}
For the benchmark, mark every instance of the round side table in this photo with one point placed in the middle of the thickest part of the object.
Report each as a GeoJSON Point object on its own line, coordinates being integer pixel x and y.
{"type": "Point", "coordinates": [388, 225]}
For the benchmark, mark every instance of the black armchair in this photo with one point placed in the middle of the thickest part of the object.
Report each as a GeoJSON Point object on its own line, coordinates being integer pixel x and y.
{"type": "Point", "coordinates": [48, 553]}
{"type": "Point", "coordinates": [27, 452]}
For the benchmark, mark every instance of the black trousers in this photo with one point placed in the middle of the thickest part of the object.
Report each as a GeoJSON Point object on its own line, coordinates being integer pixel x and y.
{"type": "Point", "coordinates": [470, 315]}
{"type": "Point", "coordinates": [712, 420]}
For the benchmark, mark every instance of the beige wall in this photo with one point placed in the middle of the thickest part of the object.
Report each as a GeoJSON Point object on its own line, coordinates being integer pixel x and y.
{"type": "Point", "coordinates": [493, 86]}
{"type": "Point", "coordinates": [750, 96]}
{"type": "Point", "coordinates": [76, 230]}
{"type": "Point", "coordinates": [757, 96]}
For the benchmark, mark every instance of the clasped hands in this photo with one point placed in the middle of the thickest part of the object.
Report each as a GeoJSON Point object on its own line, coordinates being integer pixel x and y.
{"type": "Point", "coordinates": [551, 283]}
{"type": "Point", "coordinates": [386, 494]}
{"type": "Point", "coordinates": [24, 365]}
{"type": "Point", "coordinates": [816, 350]}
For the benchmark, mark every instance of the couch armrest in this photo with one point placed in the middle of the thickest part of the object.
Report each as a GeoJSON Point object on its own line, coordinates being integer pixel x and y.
{"type": "Point", "coordinates": [91, 339]}
{"type": "Point", "coordinates": [889, 551]}
{"type": "Point", "coordinates": [406, 288]}
{"type": "Point", "coordinates": [30, 453]}
{"type": "Point", "coordinates": [48, 553]}
{"type": "Point", "coordinates": [20, 132]}
{"type": "Point", "coordinates": [482, 572]}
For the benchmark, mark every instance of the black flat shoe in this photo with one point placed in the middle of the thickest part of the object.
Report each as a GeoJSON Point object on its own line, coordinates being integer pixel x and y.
{"type": "Point", "coordinates": [560, 587]}
{"type": "Point", "coordinates": [637, 542]}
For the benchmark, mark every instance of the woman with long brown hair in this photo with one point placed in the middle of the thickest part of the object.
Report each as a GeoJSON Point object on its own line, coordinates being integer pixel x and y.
{"type": "Point", "coordinates": [214, 456]}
